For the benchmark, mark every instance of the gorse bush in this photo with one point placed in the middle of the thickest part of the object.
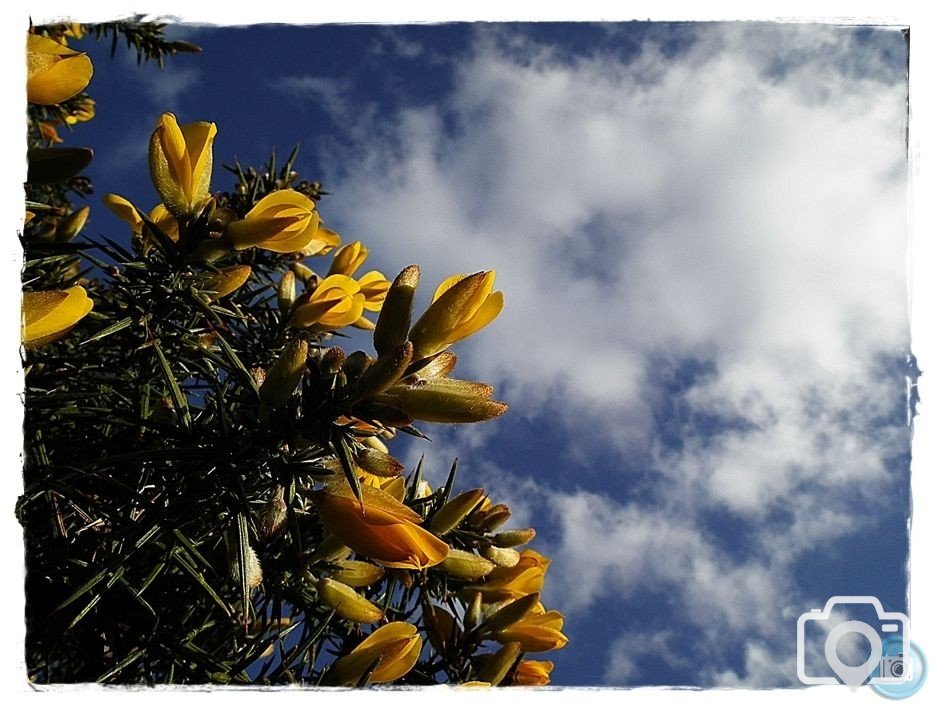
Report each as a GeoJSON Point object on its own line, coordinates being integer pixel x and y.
{"type": "Point", "coordinates": [209, 489]}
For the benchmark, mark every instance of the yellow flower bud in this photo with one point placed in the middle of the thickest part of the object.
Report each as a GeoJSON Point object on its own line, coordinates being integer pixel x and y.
{"type": "Point", "coordinates": [284, 221]}
{"type": "Point", "coordinates": [181, 160]}
{"type": "Point", "coordinates": [438, 366]}
{"type": "Point", "coordinates": [465, 565]}
{"type": "Point", "coordinates": [347, 602]}
{"type": "Point", "coordinates": [441, 628]}
{"type": "Point", "coordinates": [228, 280]}
{"type": "Point", "coordinates": [357, 573]}
{"type": "Point", "coordinates": [514, 537]}
{"type": "Point", "coordinates": [378, 463]}
{"type": "Point", "coordinates": [454, 512]}
{"type": "Point", "coordinates": [71, 224]}
{"type": "Point", "coordinates": [385, 372]}
{"type": "Point", "coordinates": [392, 327]}
{"type": "Point", "coordinates": [348, 259]}
{"type": "Point", "coordinates": [303, 273]}
{"type": "Point", "coordinates": [492, 518]}
{"type": "Point", "coordinates": [49, 315]}
{"type": "Point", "coordinates": [388, 654]}
{"type": "Point", "coordinates": [511, 612]}
{"type": "Point", "coordinates": [285, 374]}
{"type": "Point", "coordinates": [285, 292]}
{"type": "Point", "coordinates": [444, 401]}
{"type": "Point", "coordinates": [498, 664]}
{"type": "Point", "coordinates": [461, 306]}
{"type": "Point", "coordinates": [376, 444]}
{"type": "Point", "coordinates": [54, 73]}
{"type": "Point", "coordinates": [474, 614]}
{"type": "Point", "coordinates": [505, 557]}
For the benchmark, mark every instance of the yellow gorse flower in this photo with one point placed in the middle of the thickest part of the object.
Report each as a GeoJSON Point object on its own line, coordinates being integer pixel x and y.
{"type": "Point", "coordinates": [460, 307]}
{"type": "Point", "coordinates": [373, 285]}
{"type": "Point", "coordinates": [336, 302]}
{"type": "Point", "coordinates": [382, 529]}
{"type": "Point", "coordinates": [393, 648]}
{"type": "Point", "coordinates": [284, 221]}
{"type": "Point", "coordinates": [180, 163]}
{"type": "Point", "coordinates": [347, 260]}
{"type": "Point", "coordinates": [533, 673]}
{"type": "Point", "coordinates": [524, 578]}
{"type": "Point", "coordinates": [49, 315]}
{"type": "Point", "coordinates": [54, 73]}
{"type": "Point", "coordinates": [126, 211]}
{"type": "Point", "coordinates": [536, 632]}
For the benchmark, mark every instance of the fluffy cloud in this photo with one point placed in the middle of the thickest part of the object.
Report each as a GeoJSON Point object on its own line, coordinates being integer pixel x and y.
{"type": "Point", "coordinates": [738, 205]}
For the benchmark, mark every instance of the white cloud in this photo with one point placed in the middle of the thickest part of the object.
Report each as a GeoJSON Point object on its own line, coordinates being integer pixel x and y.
{"type": "Point", "coordinates": [741, 204]}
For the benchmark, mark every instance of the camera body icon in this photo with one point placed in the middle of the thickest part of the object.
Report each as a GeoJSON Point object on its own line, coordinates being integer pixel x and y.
{"type": "Point", "coordinates": [885, 663]}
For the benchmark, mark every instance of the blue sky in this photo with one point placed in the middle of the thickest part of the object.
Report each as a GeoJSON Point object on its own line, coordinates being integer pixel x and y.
{"type": "Point", "coordinates": [700, 233]}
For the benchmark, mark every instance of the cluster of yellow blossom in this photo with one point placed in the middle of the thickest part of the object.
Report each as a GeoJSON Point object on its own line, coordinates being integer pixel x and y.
{"type": "Point", "coordinates": [365, 514]}
{"type": "Point", "coordinates": [54, 74]}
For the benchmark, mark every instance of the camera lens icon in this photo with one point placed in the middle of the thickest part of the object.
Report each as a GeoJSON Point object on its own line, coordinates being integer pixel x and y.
{"type": "Point", "coordinates": [884, 664]}
{"type": "Point", "coordinates": [911, 668]}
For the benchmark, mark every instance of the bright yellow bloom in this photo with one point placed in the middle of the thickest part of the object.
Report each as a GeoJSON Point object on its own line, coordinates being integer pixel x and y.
{"type": "Point", "coordinates": [534, 673]}
{"type": "Point", "coordinates": [126, 211]}
{"type": "Point", "coordinates": [383, 529]}
{"type": "Point", "coordinates": [394, 648]}
{"type": "Point", "coordinates": [536, 632]}
{"type": "Point", "coordinates": [348, 259]}
{"type": "Point", "coordinates": [54, 73]}
{"type": "Point", "coordinates": [336, 302]}
{"type": "Point", "coordinates": [283, 221]}
{"type": "Point", "coordinates": [181, 159]}
{"type": "Point", "coordinates": [49, 315]}
{"type": "Point", "coordinates": [524, 578]}
{"type": "Point", "coordinates": [461, 306]}
{"type": "Point", "coordinates": [374, 286]}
